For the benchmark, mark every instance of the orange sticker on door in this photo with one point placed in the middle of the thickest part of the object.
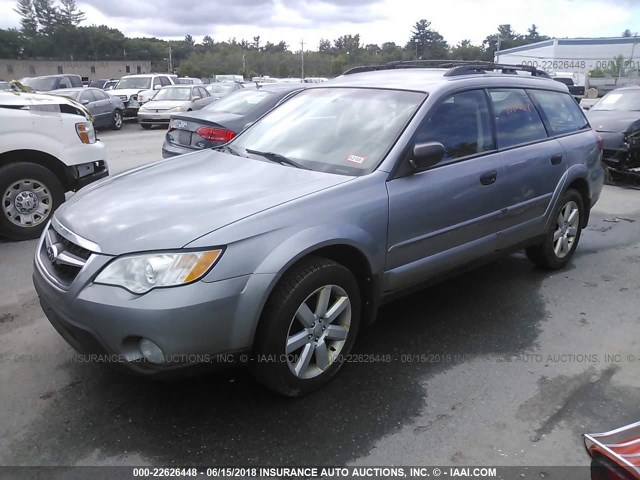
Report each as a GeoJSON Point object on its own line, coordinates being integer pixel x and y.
{"type": "Point", "coordinates": [359, 159]}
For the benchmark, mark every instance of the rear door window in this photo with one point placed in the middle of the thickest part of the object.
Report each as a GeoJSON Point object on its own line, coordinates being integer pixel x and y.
{"type": "Point", "coordinates": [561, 112]}
{"type": "Point", "coordinates": [517, 120]}
{"type": "Point", "coordinates": [461, 123]}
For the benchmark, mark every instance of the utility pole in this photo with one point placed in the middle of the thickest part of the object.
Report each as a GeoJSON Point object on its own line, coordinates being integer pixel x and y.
{"type": "Point", "coordinates": [244, 65]}
{"type": "Point", "coordinates": [170, 61]}
{"type": "Point", "coordinates": [302, 58]}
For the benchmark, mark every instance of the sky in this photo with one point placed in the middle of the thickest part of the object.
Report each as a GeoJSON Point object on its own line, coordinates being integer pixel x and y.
{"type": "Point", "coordinates": [376, 21]}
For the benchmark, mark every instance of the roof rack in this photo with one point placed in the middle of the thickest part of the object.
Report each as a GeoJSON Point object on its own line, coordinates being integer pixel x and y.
{"type": "Point", "coordinates": [456, 67]}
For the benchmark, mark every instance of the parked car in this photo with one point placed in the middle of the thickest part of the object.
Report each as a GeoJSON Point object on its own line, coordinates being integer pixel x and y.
{"type": "Point", "coordinates": [282, 243]}
{"type": "Point", "coordinates": [170, 100]}
{"type": "Point", "coordinates": [105, 109]}
{"type": "Point", "coordinates": [135, 90]}
{"type": "Point", "coordinates": [228, 78]}
{"type": "Point", "coordinates": [616, 117]}
{"type": "Point", "coordinates": [222, 89]}
{"type": "Point", "coordinates": [104, 84]}
{"type": "Point", "coordinates": [189, 81]}
{"type": "Point", "coordinates": [47, 83]}
{"type": "Point", "coordinates": [47, 147]}
{"type": "Point", "coordinates": [222, 120]}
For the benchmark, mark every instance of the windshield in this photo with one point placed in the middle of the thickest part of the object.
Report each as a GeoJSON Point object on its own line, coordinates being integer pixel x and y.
{"type": "Point", "coordinates": [222, 88]}
{"type": "Point", "coordinates": [40, 83]}
{"type": "Point", "coordinates": [239, 102]}
{"type": "Point", "coordinates": [97, 83]}
{"type": "Point", "coordinates": [141, 83]}
{"type": "Point", "coordinates": [619, 101]}
{"type": "Point", "coordinates": [338, 130]}
{"type": "Point", "coordinates": [173, 94]}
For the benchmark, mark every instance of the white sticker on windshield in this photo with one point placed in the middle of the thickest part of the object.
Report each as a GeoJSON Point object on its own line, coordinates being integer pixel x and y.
{"type": "Point", "coordinates": [359, 159]}
{"type": "Point", "coordinates": [611, 98]}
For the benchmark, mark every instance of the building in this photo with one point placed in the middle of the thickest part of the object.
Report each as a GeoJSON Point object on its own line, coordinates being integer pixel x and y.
{"type": "Point", "coordinates": [88, 70]}
{"type": "Point", "coordinates": [576, 55]}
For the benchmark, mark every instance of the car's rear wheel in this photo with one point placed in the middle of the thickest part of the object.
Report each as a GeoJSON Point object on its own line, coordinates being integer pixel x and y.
{"type": "Point", "coordinates": [146, 126]}
{"type": "Point", "coordinates": [307, 328]}
{"type": "Point", "coordinates": [30, 195]}
{"type": "Point", "coordinates": [563, 235]}
{"type": "Point", "coordinates": [116, 122]}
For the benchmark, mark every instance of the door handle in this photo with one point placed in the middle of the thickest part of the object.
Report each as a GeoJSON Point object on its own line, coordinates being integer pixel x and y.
{"type": "Point", "coordinates": [556, 159]}
{"type": "Point", "coordinates": [489, 178]}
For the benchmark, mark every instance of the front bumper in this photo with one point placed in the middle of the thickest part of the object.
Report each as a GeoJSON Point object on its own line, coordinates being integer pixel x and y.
{"type": "Point", "coordinates": [82, 175]}
{"type": "Point", "coordinates": [192, 324]}
{"type": "Point", "coordinates": [619, 154]}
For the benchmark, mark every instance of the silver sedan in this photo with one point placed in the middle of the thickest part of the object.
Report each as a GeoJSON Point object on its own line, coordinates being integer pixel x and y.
{"type": "Point", "coordinates": [170, 100]}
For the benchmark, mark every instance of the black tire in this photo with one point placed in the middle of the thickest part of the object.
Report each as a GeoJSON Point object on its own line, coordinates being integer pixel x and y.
{"type": "Point", "coordinates": [146, 126]}
{"type": "Point", "coordinates": [544, 255]}
{"type": "Point", "coordinates": [298, 286]}
{"type": "Point", "coordinates": [116, 120]}
{"type": "Point", "coordinates": [12, 174]}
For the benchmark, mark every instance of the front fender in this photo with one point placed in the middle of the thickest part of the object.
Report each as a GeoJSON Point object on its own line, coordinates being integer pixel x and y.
{"type": "Point", "coordinates": [279, 260]}
{"type": "Point", "coordinates": [319, 236]}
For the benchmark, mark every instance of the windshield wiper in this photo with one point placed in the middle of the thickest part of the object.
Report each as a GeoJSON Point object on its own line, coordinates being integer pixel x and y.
{"type": "Point", "coordinates": [276, 157]}
{"type": "Point", "coordinates": [229, 149]}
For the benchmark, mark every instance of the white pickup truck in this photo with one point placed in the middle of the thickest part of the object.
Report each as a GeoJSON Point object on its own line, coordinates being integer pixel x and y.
{"type": "Point", "coordinates": [48, 146]}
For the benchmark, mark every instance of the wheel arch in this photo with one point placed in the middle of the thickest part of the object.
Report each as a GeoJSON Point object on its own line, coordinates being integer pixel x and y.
{"type": "Point", "coordinates": [351, 248]}
{"type": "Point", "coordinates": [582, 187]}
{"type": "Point", "coordinates": [37, 157]}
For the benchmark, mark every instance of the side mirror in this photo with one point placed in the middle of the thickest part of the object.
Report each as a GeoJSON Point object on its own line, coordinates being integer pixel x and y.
{"type": "Point", "coordinates": [157, 87]}
{"type": "Point", "coordinates": [586, 107]}
{"type": "Point", "coordinates": [196, 97]}
{"type": "Point", "coordinates": [426, 155]}
{"type": "Point", "coordinates": [85, 102]}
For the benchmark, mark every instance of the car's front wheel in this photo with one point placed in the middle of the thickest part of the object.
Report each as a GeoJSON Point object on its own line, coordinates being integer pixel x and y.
{"type": "Point", "coordinates": [307, 328]}
{"type": "Point", "coordinates": [30, 195]}
{"type": "Point", "coordinates": [561, 239]}
{"type": "Point", "coordinates": [116, 121]}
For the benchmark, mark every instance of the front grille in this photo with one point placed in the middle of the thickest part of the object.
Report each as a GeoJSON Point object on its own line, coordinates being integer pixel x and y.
{"type": "Point", "coordinates": [68, 257]}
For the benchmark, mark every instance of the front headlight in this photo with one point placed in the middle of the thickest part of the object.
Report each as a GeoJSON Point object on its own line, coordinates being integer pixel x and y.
{"type": "Point", "coordinates": [177, 109]}
{"type": "Point", "coordinates": [142, 109]}
{"type": "Point", "coordinates": [141, 273]}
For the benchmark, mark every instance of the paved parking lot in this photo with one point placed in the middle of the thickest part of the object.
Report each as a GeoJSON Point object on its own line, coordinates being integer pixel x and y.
{"type": "Point", "coordinates": [505, 365]}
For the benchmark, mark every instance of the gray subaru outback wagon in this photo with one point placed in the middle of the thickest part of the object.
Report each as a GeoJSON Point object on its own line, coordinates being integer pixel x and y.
{"type": "Point", "coordinates": [282, 243]}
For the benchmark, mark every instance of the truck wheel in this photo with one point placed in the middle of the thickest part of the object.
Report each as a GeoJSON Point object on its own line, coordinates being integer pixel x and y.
{"type": "Point", "coordinates": [562, 238]}
{"type": "Point", "coordinates": [307, 327]}
{"type": "Point", "coordinates": [116, 121]}
{"type": "Point", "coordinates": [30, 195]}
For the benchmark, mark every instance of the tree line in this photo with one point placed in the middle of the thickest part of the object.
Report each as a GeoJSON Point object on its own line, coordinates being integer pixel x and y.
{"type": "Point", "coordinates": [51, 29]}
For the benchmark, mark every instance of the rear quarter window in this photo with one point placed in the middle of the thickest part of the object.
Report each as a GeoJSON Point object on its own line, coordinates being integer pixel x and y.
{"type": "Point", "coordinates": [517, 119]}
{"type": "Point", "coordinates": [561, 112]}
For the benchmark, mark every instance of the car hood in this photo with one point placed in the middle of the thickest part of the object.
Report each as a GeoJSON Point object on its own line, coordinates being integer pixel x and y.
{"type": "Point", "coordinates": [610, 121]}
{"type": "Point", "coordinates": [165, 104]}
{"type": "Point", "coordinates": [171, 203]}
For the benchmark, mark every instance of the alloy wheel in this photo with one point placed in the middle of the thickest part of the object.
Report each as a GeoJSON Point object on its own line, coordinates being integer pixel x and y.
{"type": "Point", "coordinates": [567, 226]}
{"type": "Point", "coordinates": [318, 331]}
